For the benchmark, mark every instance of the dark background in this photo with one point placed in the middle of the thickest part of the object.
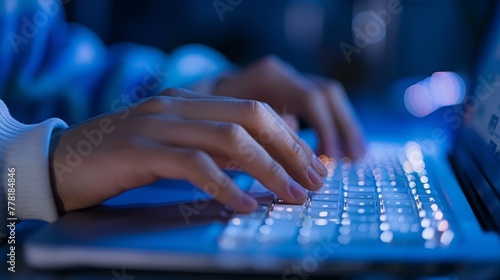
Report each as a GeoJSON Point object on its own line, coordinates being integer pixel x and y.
{"type": "Point", "coordinates": [426, 36]}
{"type": "Point", "coordinates": [422, 37]}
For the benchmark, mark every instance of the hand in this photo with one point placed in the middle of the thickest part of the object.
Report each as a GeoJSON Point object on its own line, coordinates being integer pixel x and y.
{"type": "Point", "coordinates": [182, 135]}
{"type": "Point", "coordinates": [321, 102]}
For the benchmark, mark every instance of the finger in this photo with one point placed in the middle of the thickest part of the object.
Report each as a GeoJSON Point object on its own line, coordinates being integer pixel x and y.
{"type": "Point", "coordinates": [187, 94]}
{"type": "Point", "coordinates": [290, 131]}
{"type": "Point", "coordinates": [226, 164]}
{"type": "Point", "coordinates": [230, 141]}
{"type": "Point", "coordinates": [349, 127]}
{"type": "Point", "coordinates": [315, 162]}
{"type": "Point", "coordinates": [347, 123]}
{"type": "Point", "coordinates": [198, 168]}
{"type": "Point", "coordinates": [291, 121]}
{"type": "Point", "coordinates": [317, 115]}
{"type": "Point", "coordinates": [259, 123]}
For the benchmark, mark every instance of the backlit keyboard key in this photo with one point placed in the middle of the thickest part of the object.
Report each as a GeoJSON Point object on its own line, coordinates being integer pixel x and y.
{"type": "Point", "coordinates": [327, 191]}
{"type": "Point", "coordinates": [325, 205]}
{"type": "Point", "coordinates": [359, 189]}
{"type": "Point", "coordinates": [363, 195]}
{"type": "Point", "coordinates": [360, 203]}
{"type": "Point", "coordinates": [322, 197]}
{"type": "Point", "coordinates": [398, 203]}
{"type": "Point", "coordinates": [322, 213]}
{"type": "Point", "coordinates": [396, 195]}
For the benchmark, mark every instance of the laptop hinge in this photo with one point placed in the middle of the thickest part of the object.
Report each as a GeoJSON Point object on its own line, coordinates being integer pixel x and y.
{"type": "Point", "coordinates": [487, 220]}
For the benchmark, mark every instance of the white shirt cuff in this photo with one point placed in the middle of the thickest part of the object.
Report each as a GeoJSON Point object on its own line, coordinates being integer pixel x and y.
{"type": "Point", "coordinates": [26, 148]}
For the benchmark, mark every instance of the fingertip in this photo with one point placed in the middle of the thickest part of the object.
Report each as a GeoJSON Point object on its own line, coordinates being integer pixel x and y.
{"type": "Point", "coordinates": [247, 203]}
{"type": "Point", "coordinates": [298, 194]}
{"type": "Point", "coordinates": [330, 151]}
{"type": "Point", "coordinates": [319, 166]}
{"type": "Point", "coordinates": [358, 151]}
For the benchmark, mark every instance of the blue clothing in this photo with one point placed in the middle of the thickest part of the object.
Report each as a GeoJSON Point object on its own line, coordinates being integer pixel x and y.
{"type": "Point", "coordinates": [52, 68]}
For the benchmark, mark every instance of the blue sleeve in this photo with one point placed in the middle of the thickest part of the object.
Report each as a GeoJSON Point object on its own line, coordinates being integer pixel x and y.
{"type": "Point", "coordinates": [52, 68]}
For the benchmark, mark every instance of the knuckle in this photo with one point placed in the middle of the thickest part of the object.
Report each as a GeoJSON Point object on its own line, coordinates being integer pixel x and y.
{"type": "Point", "coordinates": [231, 131]}
{"type": "Point", "coordinates": [275, 169]}
{"type": "Point", "coordinates": [253, 108]}
{"type": "Point", "coordinates": [312, 97]}
{"type": "Point", "coordinates": [337, 87]}
{"type": "Point", "coordinates": [128, 144]}
{"type": "Point", "coordinates": [270, 62]}
{"type": "Point", "coordinates": [295, 150]}
{"type": "Point", "coordinates": [277, 172]}
{"type": "Point", "coordinates": [157, 104]}
{"type": "Point", "coordinates": [197, 159]}
{"type": "Point", "coordinates": [335, 90]}
{"type": "Point", "coordinates": [305, 147]}
{"type": "Point", "coordinates": [172, 92]}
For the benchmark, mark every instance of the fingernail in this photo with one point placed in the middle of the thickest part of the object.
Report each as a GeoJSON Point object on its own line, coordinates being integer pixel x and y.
{"type": "Point", "coordinates": [248, 202]}
{"type": "Point", "coordinates": [318, 165]}
{"type": "Point", "coordinates": [297, 191]}
{"type": "Point", "coordinates": [314, 176]}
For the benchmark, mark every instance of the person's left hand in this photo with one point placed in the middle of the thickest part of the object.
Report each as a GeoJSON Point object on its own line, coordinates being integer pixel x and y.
{"type": "Point", "coordinates": [321, 102]}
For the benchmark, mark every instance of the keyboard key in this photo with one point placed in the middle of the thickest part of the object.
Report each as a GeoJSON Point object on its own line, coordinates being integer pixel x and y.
{"type": "Point", "coordinates": [394, 190]}
{"type": "Point", "coordinates": [391, 195]}
{"type": "Point", "coordinates": [281, 231]}
{"type": "Point", "coordinates": [365, 227]}
{"type": "Point", "coordinates": [325, 205]}
{"type": "Point", "coordinates": [362, 195]}
{"type": "Point", "coordinates": [323, 197]}
{"type": "Point", "coordinates": [238, 232]}
{"type": "Point", "coordinates": [358, 189]}
{"type": "Point", "coordinates": [428, 199]}
{"type": "Point", "coordinates": [259, 213]}
{"type": "Point", "coordinates": [331, 185]}
{"type": "Point", "coordinates": [317, 213]}
{"type": "Point", "coordinates": [403, 227]}
{"type": "Point", "coordinates": [327, 191]}
{"type": "Point", "coordinates": [289, 208]}
{"type": "Point", "coordinates": [323, 230]}
{"type": "Point", "coordinates": [360, 202]}
{"type": "Point", "coordinates": [429, 208]}
{"type": "Point", "coordinates": [400, 210]}
{"type": "Point", "coordinates": [422, 191]}
{"type": "Point", "coordinates": [398, 203]}
{"type": "Point", "coordinates": [356, 218]}
{"type": "Point", "coordinates": [397, 218]}
{"type": "Point", "coordinates": [287, 212]}
{"type": "Point", "coordinates": [361, 210]}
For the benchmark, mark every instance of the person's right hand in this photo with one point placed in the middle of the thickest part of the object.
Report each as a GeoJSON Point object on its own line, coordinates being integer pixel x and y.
{"type": "Point", "coordinates": [320, 101]}
{"type": "Point", "coordinates": [182, 135]}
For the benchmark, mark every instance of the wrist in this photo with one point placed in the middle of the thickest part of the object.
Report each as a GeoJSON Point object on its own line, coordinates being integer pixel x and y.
{"type": "Point", "coordinates": [54, 142]}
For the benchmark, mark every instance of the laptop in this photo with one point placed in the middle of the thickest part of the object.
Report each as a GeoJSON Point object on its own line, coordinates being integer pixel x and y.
{"type": "Point", "coordinates": [398, 210]}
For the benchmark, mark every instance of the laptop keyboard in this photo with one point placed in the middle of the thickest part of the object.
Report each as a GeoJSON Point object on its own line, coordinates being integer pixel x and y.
{"type": "Point", "coordinates": [385, 198]}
